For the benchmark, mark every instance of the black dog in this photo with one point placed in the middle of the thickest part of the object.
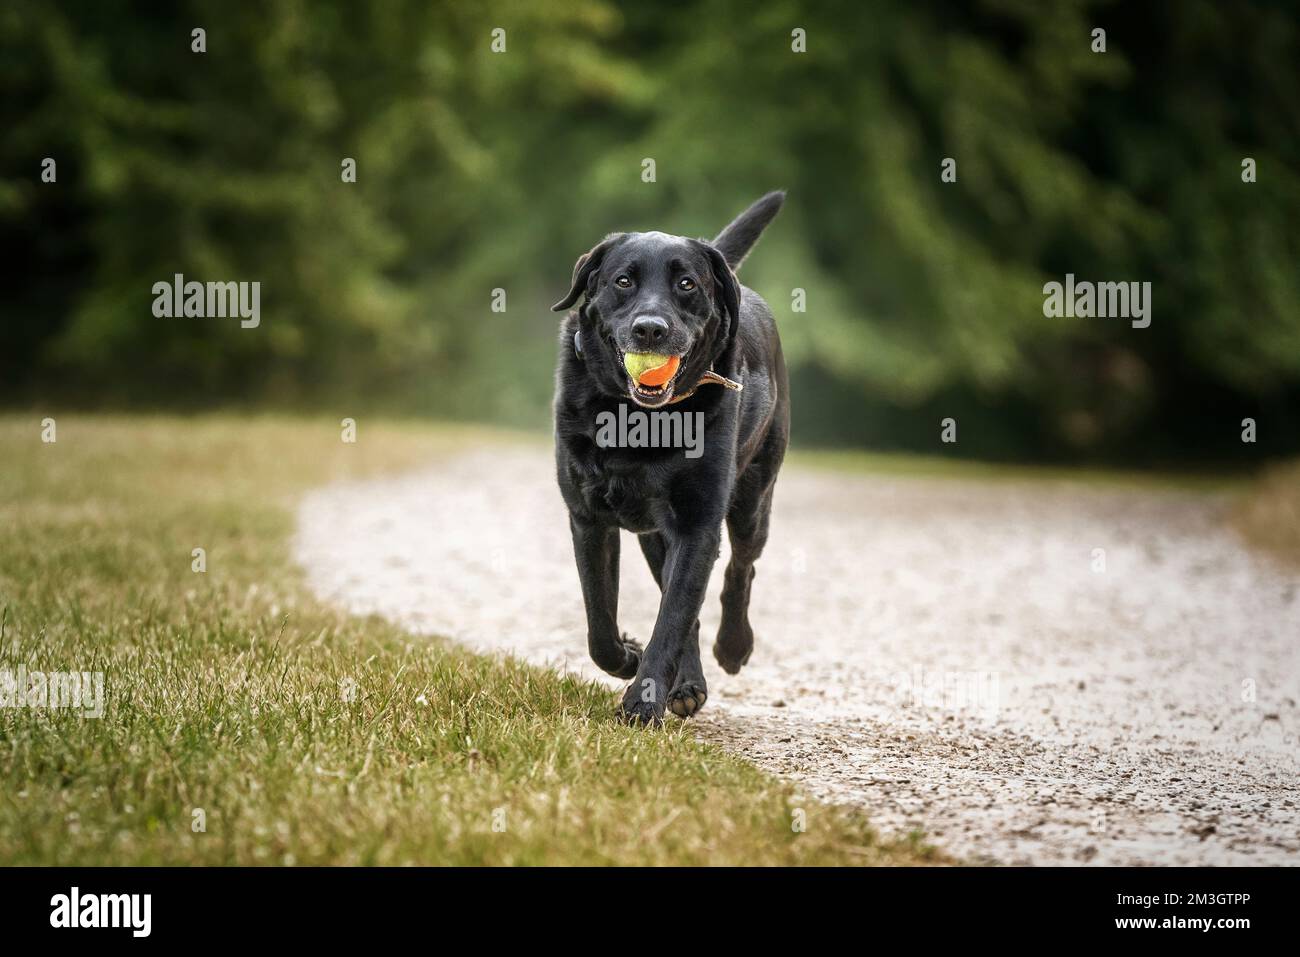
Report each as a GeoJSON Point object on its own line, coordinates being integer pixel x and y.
{"type": "Point", "coordinates": [669, 295]}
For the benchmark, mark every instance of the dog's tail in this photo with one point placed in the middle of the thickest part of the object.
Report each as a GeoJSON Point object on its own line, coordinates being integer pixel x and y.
{"type": "Point", "coordinates": [739, 237]}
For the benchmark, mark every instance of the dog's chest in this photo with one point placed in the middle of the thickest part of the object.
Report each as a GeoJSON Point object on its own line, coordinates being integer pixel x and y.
{"type": "Point", "coordinates": [629, 497]}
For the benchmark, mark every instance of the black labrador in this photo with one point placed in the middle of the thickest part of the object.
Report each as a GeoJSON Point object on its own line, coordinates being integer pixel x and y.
{"type": "Point", "coordinates": [671, 296]}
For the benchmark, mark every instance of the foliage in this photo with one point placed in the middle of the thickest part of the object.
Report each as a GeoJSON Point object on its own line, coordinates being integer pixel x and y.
{"type": "Point", "coordinates": [480, 170]}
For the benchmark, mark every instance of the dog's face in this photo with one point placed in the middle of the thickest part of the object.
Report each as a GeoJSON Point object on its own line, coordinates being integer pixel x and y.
{"type": "Point", "coordinates": [655, 293]}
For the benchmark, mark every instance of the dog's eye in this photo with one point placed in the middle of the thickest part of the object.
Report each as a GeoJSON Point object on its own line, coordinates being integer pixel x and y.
{"type": "Point", "coordinates": [686, 284]}
{"type": "Point", "coordinates": [623, 282]}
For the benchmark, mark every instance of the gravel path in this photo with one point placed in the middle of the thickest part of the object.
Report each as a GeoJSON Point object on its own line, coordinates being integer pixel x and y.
{"type": "Point", "coordinates": [948, 654]}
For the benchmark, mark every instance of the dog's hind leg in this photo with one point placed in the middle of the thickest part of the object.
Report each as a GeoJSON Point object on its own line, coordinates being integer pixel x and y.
{"type": "Point", "coordinates": [689, 691]}
{"type": "Point", "coordinates": [655, 549]}
{"type": "Point", "coordinates": [596, 549]}
{"type": "Point", "coordinates": [747, 524]}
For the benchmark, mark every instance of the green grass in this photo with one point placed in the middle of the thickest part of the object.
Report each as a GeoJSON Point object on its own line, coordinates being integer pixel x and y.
{"type": "Point", "coordinates": [1268, 516]}
{"type": "Point", "coordinates": [228, 691]}
{"type": "Point", "coordinates": [941, 467]}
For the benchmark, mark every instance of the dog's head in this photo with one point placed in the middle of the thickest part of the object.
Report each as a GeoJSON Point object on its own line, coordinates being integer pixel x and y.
{"type": "Point", "coordinates": [653, 293]}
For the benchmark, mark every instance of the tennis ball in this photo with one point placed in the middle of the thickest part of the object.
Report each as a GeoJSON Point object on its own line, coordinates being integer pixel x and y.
{"type": "Point", "coordinates": [649, 368]}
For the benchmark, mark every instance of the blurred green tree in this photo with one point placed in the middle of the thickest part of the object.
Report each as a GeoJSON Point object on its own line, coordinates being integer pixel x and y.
{"type": "Point", "coordinates": [480, 170]}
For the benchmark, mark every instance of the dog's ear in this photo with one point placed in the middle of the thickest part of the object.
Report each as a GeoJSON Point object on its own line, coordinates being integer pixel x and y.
{"type": "Point", "coordinates": [726, 287]}
{"type": "Point", "coordinates": [584, 270]}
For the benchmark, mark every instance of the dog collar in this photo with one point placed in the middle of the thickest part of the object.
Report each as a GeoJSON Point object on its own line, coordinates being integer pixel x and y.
{"type": "Point", "coordinates": [709, 377]}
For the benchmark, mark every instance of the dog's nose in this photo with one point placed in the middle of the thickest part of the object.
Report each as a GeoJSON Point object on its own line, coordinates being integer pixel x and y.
{"type": "Point", "coordinates": [648, 330]}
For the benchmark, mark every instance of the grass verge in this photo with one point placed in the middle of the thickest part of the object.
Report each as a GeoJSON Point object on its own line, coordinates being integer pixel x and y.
{"type": "Point", "coordinates": [290, 732]}
{"type": "Point", "coordinates": [907, 465]}
{"type": "Point", "coordinates": [1268, 515]}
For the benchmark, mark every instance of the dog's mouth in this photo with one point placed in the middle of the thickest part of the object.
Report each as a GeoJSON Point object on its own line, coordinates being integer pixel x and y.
{"type": "Point", "coordinates": [651, 396]}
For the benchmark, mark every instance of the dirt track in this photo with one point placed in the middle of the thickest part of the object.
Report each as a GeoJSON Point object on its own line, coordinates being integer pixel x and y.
{"type": "Point", "coordinates": [941, 652]}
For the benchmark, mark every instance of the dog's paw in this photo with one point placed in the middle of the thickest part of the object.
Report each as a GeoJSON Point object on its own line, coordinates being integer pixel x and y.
{"type": "Point", "coordinates": [688, 698]}
{"type": "Point", "coordinates": [641, 712]}
{"type": "Point", "coordinates": [642, 704]}
{"type": "Point", "coordinates": [623, 659]}
{"type": "Point", "coordinates": [633, 650]}
{"type": "Point", "coordinates": [732, 650]}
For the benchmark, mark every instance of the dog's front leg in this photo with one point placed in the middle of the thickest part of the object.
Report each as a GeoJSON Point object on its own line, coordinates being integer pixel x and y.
{"type": "Point", "coordinates": [596, 549]}
{"type": "Point", "coordinates": [670, 669]}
